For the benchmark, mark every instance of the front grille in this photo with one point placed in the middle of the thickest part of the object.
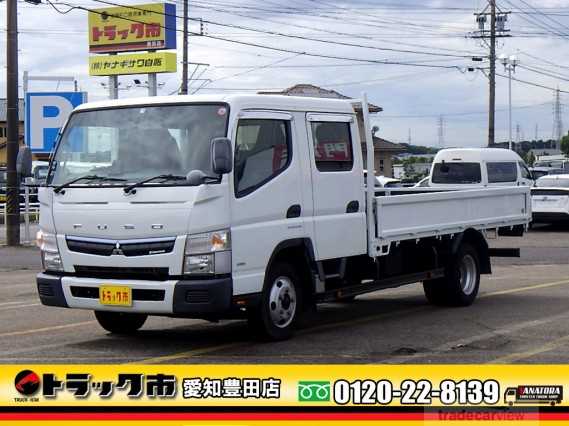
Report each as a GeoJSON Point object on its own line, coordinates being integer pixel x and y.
{"type": "Point", "coordinates": [121, 273]}
{"type": "Point", "coordinates": [126, 248]}
{"type": "Point", "coordinates": [90, 247]}
{"type": "Point", "coordinates": [197, 296]}
{"type": "Point", "coordinates": [137, 294]}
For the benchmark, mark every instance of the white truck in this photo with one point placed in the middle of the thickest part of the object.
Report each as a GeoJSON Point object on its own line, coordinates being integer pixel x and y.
{"type": "Point", "coordinates": [246, 206]}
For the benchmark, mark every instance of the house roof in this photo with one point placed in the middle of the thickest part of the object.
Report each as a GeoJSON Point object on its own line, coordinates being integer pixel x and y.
{"type": "Point", "coordinates": [310, 90]}
{"type": "Point", "coordinates": [380, 144]}
{"type": "Point", "coordinates": [4, 109]}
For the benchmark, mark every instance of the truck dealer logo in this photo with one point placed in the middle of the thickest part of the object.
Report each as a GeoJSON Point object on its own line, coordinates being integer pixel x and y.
{"type": "Point", "coordinates": [27, 382]}
{"type": "Point", "coordinates": [534, 394]}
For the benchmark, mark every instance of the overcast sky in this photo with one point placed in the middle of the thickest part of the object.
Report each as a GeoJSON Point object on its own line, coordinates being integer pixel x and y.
{"type": "Point", "coordinates": [413, 97]}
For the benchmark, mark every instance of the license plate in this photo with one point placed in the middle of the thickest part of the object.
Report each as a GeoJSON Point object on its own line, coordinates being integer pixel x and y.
{"type": "Point", "coordinates": [2, 198]}
{"type": "Point", "coordinates": [115, 295]}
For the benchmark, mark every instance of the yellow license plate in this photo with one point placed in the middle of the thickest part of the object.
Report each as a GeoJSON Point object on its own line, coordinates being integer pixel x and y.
{"type": "Point", "coordinates": [2, 198]}
{"type": "Point", "coordinates": [115, 295]}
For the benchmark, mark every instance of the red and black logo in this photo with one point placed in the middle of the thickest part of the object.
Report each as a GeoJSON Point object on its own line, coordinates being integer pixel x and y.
{"type": "Point", "coordinates": [27, 382]}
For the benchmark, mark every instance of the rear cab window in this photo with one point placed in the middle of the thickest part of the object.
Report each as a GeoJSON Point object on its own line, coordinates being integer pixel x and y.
{"type": "Point", "coordinates": [332, 146]}
{"type": "Point", "coordinates": [456, 173]}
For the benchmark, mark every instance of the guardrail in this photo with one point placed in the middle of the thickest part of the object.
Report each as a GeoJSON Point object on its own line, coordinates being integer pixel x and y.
{"type": "Point", "coordinates": [34, 210]}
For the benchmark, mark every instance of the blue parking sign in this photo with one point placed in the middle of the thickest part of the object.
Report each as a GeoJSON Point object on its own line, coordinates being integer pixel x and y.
{"type": "Point", "coordinates": [46, 113]}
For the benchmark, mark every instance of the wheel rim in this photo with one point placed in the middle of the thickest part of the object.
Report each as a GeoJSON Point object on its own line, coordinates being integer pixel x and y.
{"type": "Point", "coordinates": [282, 302]}
{"type": "Point", "coordinates": [467, 272]}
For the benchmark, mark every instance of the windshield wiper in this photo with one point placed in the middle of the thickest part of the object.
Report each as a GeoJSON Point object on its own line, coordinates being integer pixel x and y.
{"type": "Point", "coordinates": [59, 188]}
{"type": "Point", "coordinates": [130, 188]}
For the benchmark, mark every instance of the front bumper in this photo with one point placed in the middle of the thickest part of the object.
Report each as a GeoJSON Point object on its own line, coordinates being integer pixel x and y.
{"type": "Point", "coordinates": [172, 297]}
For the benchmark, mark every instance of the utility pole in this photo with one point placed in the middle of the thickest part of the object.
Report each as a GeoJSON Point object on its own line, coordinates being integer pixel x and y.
{"type": "Point", "coordinates": [497, 29]}
{"type": "Point", "coordinates": [409, 136]}
{"type": "Point", "coordinates": [557, 121]}
{"type": "Point", "coordinates": [510, 63]}
{"type": "Point", "coordinates": [184, 87]}
{"type": "Point", "coordinates": [441, 131]}
{"type": "Point", "coordinates": [13, 143]}
{"type": "Point", "coordinates": [492, 76]}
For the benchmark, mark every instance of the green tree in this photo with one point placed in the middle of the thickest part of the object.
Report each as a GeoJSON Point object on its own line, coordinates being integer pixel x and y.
{"type": "Point", "coordinates": [565, 144]}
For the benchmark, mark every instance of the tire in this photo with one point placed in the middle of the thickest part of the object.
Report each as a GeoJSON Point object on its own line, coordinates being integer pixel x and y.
{"type": "Point", "coordinates": [120, 322]}
{"type": "Point", "coordinates": [459, 286]}
{"type": "Point", "coordinates": [281, 304]}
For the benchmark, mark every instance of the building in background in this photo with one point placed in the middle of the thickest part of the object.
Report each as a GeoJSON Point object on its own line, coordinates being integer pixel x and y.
{"type": "Point", "coordinates": [4, 128]}
{"type": "Point", "coordinates": [383, 150]}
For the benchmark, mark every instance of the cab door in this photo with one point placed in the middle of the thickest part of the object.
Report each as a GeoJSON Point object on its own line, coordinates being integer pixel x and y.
{"type": "Point", "coordinates": [266, 207]}
{"type": "Point", "coordinates": [338, 218]}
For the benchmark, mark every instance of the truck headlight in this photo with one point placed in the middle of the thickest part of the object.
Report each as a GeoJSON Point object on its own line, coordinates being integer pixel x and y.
{"type": "Point", "coordinates": [50, 258]}
{"type": "Point", "coordinates": [208, 253]}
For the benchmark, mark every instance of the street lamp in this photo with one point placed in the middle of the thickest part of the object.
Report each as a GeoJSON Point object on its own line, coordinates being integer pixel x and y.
{"type": "Point", "coordinates": [510, 63]}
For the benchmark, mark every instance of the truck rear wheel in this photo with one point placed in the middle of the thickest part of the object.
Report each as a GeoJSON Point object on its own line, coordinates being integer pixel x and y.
{"type": "Point", "coordinates": [280, 306]}
{"type": "Point", "coordinates": [120, 322]}
{"type": "Point", "coordinates": [460, 284]}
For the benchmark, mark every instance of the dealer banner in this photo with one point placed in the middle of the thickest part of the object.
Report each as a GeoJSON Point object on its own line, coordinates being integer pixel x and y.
{"type": "Point", "coordinates": [134, 27]}
{"type": "Point", "coordinates": [137, 63]}
{"type": "Point", "coordinates": [262, 393]}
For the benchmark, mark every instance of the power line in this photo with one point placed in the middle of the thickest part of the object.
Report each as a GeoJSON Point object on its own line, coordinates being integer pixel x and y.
{"type": "Point", "coordinates": [299, 37]}
{"type": "Point", "coordinates": [273, 48]}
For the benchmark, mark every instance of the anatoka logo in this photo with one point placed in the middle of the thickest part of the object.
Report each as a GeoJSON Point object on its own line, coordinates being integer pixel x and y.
{"type": "Point", "coordinates": [27, 382]}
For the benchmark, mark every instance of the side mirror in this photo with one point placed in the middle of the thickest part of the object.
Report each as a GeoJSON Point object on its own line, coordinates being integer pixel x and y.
{"type": "Point", "coordinates": [24, 162]}
{"type": "Point", "coordinates": [221, 156]}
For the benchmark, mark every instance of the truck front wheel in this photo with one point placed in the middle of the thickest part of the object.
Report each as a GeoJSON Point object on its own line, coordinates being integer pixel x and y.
{"type": "Point", "coordinates": [460, 284]}
{"type": "Point", "coordinates": [120, 322]}
{"type": "Point", "coordinates": [279, 308]}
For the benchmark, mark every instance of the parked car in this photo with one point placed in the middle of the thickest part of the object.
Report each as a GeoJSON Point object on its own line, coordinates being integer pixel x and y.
{"type": "Point", "coordinates": [423, 183]}
{"type": "Point", "coordinates": [550, 199]}
{"type": "Point", "coordinates": [384, 181]}
{"type": "Point", "coordinates": [539, 171]}
{"type": "Point", "coordinates": [475, 167]}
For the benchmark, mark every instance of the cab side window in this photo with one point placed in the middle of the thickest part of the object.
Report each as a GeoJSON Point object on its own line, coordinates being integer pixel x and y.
{"type": "Point", "coordinates": [526, 174]}
{"type": "Point", "coordinates": [332, 146]}
{"type": "Point", "coordinates": [262, 152]}
{"type": "Point", "coordinates": [502, 172]}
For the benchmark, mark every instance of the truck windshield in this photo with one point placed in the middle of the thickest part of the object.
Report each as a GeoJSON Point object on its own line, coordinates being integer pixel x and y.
{"type": "Point", "coordinates": [133, 143]}
{"type": "Point", "coordinates": [457, 173]}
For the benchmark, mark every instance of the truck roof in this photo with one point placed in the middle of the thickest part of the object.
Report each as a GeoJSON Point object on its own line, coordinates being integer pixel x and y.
{"type": "Point", "coordinates": [476, 155]}
{"type": "Point", "coordinates": [240, 101]}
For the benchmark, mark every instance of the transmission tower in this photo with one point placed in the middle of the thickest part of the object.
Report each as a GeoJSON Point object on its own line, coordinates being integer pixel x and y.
{"type": "Point", "coordinates": [557, 121]}
{"type": "Point", "coordinates": [518, 133]}
{"type": "Point", "coordinates": [409, 137]}
{"type": "Point", "coordinates": [441, 131]}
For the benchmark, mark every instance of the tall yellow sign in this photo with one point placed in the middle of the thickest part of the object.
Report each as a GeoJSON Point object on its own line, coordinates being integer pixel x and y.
{"type": "Point", "coordinates": [132, 28]}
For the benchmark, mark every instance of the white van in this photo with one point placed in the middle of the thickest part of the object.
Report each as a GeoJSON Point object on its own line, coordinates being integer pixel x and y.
{"type": "Point", "coordinates": [476, 167]}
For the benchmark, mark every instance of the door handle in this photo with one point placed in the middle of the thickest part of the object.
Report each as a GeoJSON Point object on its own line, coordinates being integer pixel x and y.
{"type": "Point", "coordinates": [353, 207]}
{"type": "Point", "coordinates": [293, 211]}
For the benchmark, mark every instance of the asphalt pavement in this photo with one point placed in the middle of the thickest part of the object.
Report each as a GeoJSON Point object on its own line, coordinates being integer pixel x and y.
{"type": "Point", "coordinates": [521, 316]}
